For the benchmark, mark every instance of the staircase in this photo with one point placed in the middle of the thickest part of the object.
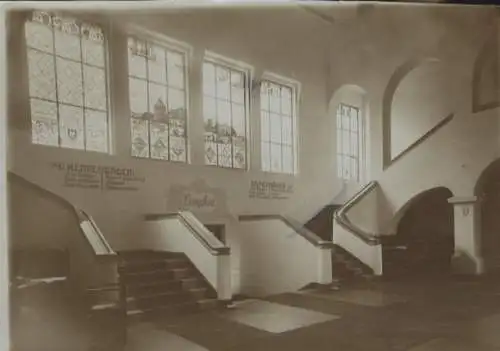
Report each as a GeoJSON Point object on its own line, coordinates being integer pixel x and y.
{"type": "Point", "coordinates": [345, 267]}
{"type": "Point", "coordinates": [163, 283]}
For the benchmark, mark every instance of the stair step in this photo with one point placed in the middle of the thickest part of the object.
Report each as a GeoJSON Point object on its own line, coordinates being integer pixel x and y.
{"type": "Point", "coordinates": [156, 264]}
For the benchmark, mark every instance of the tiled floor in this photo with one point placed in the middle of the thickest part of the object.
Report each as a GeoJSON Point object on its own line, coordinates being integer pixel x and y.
{"type": "Point", "coordinates": [274, 317]}
{"type": "Point", "coordinates": [363, 297]}
{"type": "Point", "coordinates": [431, 316]}
{"type": "Point", "coordinates": [381, 317]}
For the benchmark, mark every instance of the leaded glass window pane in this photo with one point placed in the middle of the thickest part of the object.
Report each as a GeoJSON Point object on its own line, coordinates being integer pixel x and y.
{"type": "Point", "coordinates": [42, 76]}
{"type": "Point", "coordinates": [158, 65]}
{"type": "Point", "coordinates": [39, 36]}
{"type": "Point", "coordinates": [175, 69]}
{"type": "Point", "coordinates": [138, 92]}
{"type": "Point", "coordinates": [157, 98]}
{"type": "Point", "coordinates": [209, 79]}
{"type": "Point", "coordinates": [276, 157]}
{"type": "Point", "coordinates": [140, 137]}
{"type": "Point", "coordinates": [45, 129]}
{"type": "Point", "coordinates": [238, 113]}
{"type": "Point", "coordinates": [266, 156]}
{"type": "Point", "coordinates": [264, 127]}
{"type": "Point", "coordinates": [67, 46]}
{"type": "Point", "coordinates": [237, 87]}
{"type": "Point", "coordinates": [277, 127]}
{"type": "Point", "coordinates": [67, 90]}
{"type": "Point", "coordinates": [223, 83]}
{"type": "Point", "coordinates": [95, 88]}
{"type": "Point", "coordinates": [159, 140]}
{"type": "Point", "coordinates": [348, 141]}
{"type": "Point", "coordinates": [286, 130]}
{"type": "Point", "coordinates": [96, 130]}
{"type": "Point", "coordinates": [287, 159]}
{"type": "Point", "coordinates": [71, 127]}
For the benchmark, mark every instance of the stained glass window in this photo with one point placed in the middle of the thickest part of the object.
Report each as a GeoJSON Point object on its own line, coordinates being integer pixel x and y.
{"type": "Point", "coordinates": [348, 142]}
{"type": "Point", "coordinates": [277, 127]}
{"type": "Point", "coordinates": [157, 91]}
{"type": "Point", "coordinates": [67, 82]}
{"type": "Point", "coordinates": [225, 116]}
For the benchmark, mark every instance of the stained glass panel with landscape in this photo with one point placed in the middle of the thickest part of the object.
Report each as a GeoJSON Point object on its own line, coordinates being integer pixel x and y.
{"type": "Point", "coordinates": [157, 101]}
{"type": "Point", "coordinates": [224, 114]}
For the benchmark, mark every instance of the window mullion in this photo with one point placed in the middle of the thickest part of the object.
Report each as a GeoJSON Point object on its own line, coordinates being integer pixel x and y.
{"type": "Point", "coordinates": [84, 122]}
{"type": "Point", "coordinates": [58, 115]}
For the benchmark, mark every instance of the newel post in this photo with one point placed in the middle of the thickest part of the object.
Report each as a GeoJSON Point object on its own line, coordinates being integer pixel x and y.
{"type": "Point", "coordinates": [467, 258]}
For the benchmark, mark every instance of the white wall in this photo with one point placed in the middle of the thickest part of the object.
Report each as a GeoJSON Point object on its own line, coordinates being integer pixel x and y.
{"type": "Point", "coordinates": [368, 51]}
{"type": "Point", "coordinates": [172, 235]}
{"type": "Point", "coordinates": [275, 259]}
{"type": "Point", "coordinates": [365, 213]}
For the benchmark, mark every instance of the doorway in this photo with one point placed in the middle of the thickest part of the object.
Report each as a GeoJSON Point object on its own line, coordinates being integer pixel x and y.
{"type": "Point", "coordinates": [488, 190]}
{"type": "Point", "coordinates": [427, 231]}
{"type": "Point", "coordinates": [218, 230]}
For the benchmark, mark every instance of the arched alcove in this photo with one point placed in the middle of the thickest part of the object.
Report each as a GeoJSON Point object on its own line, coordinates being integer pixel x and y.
{"type": "Point", "coordinates": [354, 98]}
{"type": "Point", "coordinates": [487, 189]}
{"type": "Point", "coordinates": [485, 84]}
{"type": "Point", "coordinates": [416, 103]}
{"type": "Point", "coordinates": [426, 232]}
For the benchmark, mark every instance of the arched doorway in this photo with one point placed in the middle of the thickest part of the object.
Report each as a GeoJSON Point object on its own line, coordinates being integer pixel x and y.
{"type": "Point", "coordinates": [488, 191]}
{"type": "Point", "coordinates": [425, 232]}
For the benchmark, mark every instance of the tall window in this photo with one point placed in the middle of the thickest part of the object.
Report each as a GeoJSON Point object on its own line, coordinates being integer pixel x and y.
{"type": "Point", "coordinates": [277, 127]}
{"type": "Point", "coordinates": [225, 104]}
{"type": "Point", "coordinates": [157, 86]}
{"type": "Point", "coordinates": [348, 142]}
{"type": "Point", "coordinates": [67, 74]}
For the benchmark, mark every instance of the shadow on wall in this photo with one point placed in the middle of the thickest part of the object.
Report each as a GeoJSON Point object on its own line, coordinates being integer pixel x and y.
{"type": "Point", "coordinates": [485, 84]}
{"type": "Point", "coordinates": [442, 193]}
{"type": "Point", "coordinates": [487, 189]}
{"type": "Point", "coordinates": [463, 262]}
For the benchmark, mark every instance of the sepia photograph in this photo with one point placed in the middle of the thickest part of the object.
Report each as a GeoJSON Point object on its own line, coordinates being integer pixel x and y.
{"type": "Point", "coordinates": [250, 176]}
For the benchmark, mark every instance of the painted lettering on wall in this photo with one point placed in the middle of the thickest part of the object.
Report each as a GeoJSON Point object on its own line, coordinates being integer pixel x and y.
{"type": "Point", "coordinates": [199, 201]}
{"type": "Point", "coordinates": [91, 176]}
{"type": "Point", "coordinates": [270, 190]}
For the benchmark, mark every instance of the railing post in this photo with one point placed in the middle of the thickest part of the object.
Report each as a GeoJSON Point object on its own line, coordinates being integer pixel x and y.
{"type": "Point", "coordinates": [224, 289]}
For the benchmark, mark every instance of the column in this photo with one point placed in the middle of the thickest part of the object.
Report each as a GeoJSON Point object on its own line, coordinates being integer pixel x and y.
{"type": "Point", "coordinates": [467, 258]}
{"type": "Point", "coordinates": [324, 264]}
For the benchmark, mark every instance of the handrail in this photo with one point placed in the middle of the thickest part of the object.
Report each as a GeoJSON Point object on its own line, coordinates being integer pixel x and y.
{"type": "Point", "coordinates": [88, 232]}
{"type": "Point", "coordinates": [341, 216]}
{"type": "Point", "coordinates": [199, 231]}
{"type": "Point", "coordinates": [102, 243]}
{"type": "Point", "coordinates": [300, 229]}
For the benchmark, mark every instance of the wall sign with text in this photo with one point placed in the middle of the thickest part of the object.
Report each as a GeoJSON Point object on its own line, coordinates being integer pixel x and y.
{"type": "Point", "coordinates": [270, 190]}
{"type": "Point", "coordinates": [91, 176]}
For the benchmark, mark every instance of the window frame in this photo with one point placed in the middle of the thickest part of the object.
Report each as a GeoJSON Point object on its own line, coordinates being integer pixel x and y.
{"type": "Point", "coordinates": [104, 25]}
{"type": "Point", "coordinates": [296, 88]}
{"type": "Point", "coordinates": [248, 71]}
{"type": "Point", "coordinates": [169, 44]}
{"type": "Point", "coordinates": [360, 144]}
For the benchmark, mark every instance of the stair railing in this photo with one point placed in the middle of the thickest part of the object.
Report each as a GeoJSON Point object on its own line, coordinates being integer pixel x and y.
{"type": "Point", "coordinates": [365, 246]}
{"type": "Point", "coordinates": [218, 273]}
{"type": "Point", "coordinates": [340, 216]}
